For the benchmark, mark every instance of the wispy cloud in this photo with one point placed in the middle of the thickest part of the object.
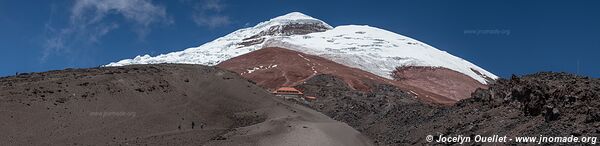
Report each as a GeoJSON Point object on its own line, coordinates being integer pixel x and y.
{"type": "Point", "coordinates": [88, 22]}
{"type": "Point", "coordinates": [211, 21]}
{"type": "Point", "coordinates": [209, 13]}
{"type": "Point", "coordinates": [215, 5]}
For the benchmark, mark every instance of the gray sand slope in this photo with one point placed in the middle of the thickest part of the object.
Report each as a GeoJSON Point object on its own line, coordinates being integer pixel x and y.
{"type": "Point", "coordinates": [163, 104]}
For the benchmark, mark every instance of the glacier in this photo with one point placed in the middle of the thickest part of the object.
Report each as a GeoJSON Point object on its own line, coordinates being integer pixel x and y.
{"type": "Point", "coordinates": [374, 50]}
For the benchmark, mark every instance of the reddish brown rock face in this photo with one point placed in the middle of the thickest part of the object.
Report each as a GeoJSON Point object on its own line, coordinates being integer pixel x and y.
{"type": "Point", "coordinates": [441, 81]}
{"type": "Point", "coordinates": [276, 67]}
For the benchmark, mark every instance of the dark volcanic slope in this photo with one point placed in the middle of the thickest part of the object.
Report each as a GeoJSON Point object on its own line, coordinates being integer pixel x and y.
{"type": "Point", "coordinates": [157, 105]}
{"type": "Point", "coordinates": [386, 114]}
{"type": "Point", "coordinates": [550, 104]}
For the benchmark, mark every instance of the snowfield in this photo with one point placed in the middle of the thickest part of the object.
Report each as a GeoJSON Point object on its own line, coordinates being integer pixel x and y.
{"type": "Point", "coordinates": [368, 48]}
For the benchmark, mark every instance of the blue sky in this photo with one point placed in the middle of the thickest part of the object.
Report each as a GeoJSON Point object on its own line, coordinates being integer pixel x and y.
{"type": "Point", "coordinates": [504, 37]}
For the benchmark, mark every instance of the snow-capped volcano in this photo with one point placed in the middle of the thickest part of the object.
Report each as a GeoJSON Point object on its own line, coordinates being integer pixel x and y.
{"type": "Point", "coordinates": [367, 48]}
{"type": "Point", "coordinates": [236, 43]}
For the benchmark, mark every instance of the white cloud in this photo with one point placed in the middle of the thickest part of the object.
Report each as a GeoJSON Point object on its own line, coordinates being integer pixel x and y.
{"type": "Point", "coordinates": [88, 24]}
{"type": "Point", "coordinates": [213, 21]}
{"type": "Point", "coordinates": [141, 12]}
{"type": "Point", "coordinates": [214, 5]}
{"type": "Point", "coordinates": [208, 13]}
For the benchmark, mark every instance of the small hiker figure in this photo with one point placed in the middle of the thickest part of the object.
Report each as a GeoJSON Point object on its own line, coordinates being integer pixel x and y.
{"type": "Point", "coordinates": [193, 124]}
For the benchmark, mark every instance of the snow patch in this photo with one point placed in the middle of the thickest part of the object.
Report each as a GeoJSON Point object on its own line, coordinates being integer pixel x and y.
{"type": "Point", "coordinates": [304, 57]}
{"type": "Point", "coordinates": [249, 71]}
